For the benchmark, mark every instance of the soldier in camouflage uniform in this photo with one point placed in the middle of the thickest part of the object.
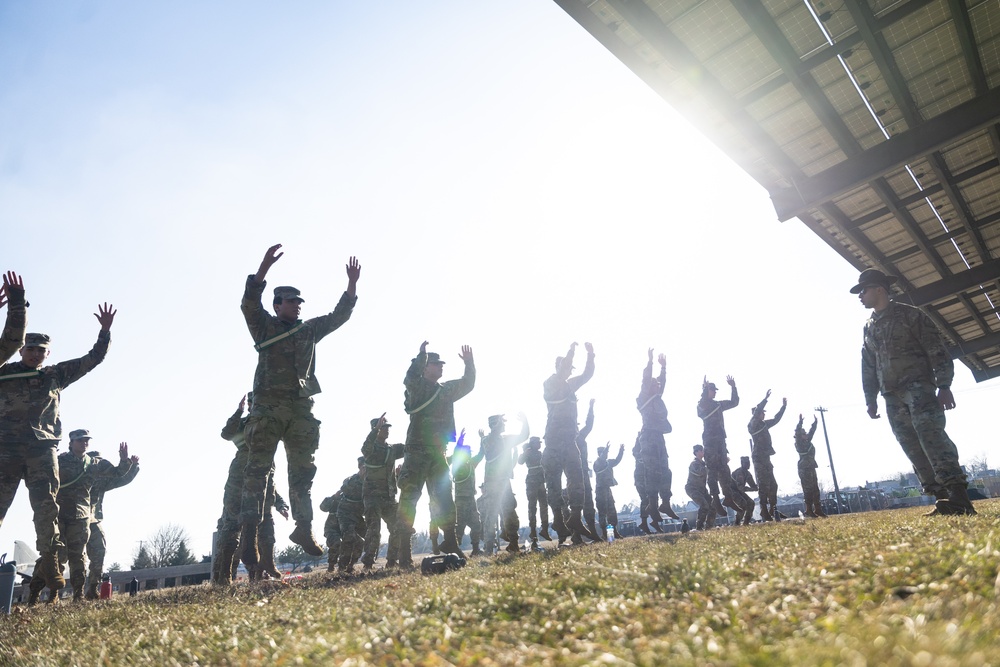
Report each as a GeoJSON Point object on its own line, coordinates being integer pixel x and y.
{"type": "Point", "coordinates": [259, 560]}
{"type": "Point", "coordinates": [534, 486]}
{"type": "Point", "coordinates": [697, 489]}
{"type": "Point", "coordinates": [562, 454]}
{"type": "Point", "coordinates": [30, 431]}
{"type": "Point", "coordinates": [714, 438]}
{"type": "Point", "coordinates": [284, 384]}
{"type": "Point", "coordinates": [78, 473]}
{"type": "Point", "coordinates": [97, 544]}
{"type": "Point", "coordinates": [431, 406]}
{"type": "Point", "coordinates": [501, 452]}
{"type": "Point", "coordinates": [351, 519]}
{"type": "Point", "coordinates": [17, 317]}
{"type": "Point", "coordinates": [380, 493]}
{"type": "Point", "coordinates": [904, 358]}
{"type": "Point", "coordinates": [639, 478]}
{"type": "Point", "coordinates": [652, 448]}
{"type": "Point", "coordinates": [807, 469]}
{"type": "Point", "coordinates": [762, 451]}
{"type": "Point", "coordinates": [589, 511]}
{"type": "Point", "coordinates": [331, 530]}
{"type": "Point", "coordinates": [743, 480]}
{"type": "Point", "coordinates": [607, 512]}
{"type": "Point", "coordinates": [463, 472]}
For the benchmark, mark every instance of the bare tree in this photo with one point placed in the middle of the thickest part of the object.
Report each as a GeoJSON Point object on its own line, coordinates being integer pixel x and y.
{"type": "Point", "coordinates": [162, 548]}
{"type": "Point", "coordinates": [978, 466]}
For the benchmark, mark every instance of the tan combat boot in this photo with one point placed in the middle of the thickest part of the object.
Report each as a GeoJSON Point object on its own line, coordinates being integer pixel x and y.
{"type": "Point", "coordinates": [302, 536]}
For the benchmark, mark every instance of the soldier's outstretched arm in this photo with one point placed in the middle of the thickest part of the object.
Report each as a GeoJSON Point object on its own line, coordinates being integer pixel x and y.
{"type": "Point", "coordinates": [353, 273]}
{"type": "Point", "coordinates": [16, 324]}
{"type": "Point", "coordinates": [270, 257]}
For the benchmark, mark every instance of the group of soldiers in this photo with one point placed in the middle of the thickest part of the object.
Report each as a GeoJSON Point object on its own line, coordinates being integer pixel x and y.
{"type": "Point", "coordinates": [66, 491]}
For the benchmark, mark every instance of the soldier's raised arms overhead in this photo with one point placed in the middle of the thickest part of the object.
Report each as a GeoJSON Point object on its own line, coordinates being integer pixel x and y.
{"type": "Point", "coordinates": [12, 295]}
{"type": "Point", "coordinates": [284, 384]}
{"type": "Point", "coordinates": [652, 446]}
{"type": "Point", "coordinates": [30, 430]}
{"type": "Point", "coordinates": [761, 451]}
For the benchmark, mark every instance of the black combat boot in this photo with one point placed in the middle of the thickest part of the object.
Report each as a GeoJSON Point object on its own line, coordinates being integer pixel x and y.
{"type": "Point", "coordinates": [450, 542]}
{"type": "Point", "coordinates": [576, 524]}
{"type": "Point", "coordinates": [958, 498]}
{"type": "Point", "coordinates": [665, 508]}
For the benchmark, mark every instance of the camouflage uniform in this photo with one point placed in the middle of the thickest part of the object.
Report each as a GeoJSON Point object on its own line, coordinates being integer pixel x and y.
{"type": "Point", "coordinates": [904, 358]}
{"type": "Point", "coordinates": [534, 486]}
{"type": "Point", "coordinates": [761, 453]}
{"type": "Point", "coordinates": [652, 448]}
{"type": "Point", "coordinates": [716, 454]}
{"type": "Point", "coordinates": [284, 384]}
{"type": "Point", "coordinates": [380, 498]}
{"type": "Point", "coordinates": [562, 453]}
{"type": "Point", "coordinates": [30, 430]}
{"type": "Point", "coordinates": [15, 324]}
{"type": "Point", "coordinates": [351, 520]}
{"type": "Point", "coordinates": [463, 471]}
{"type": "Point", "coordinates": [807, 469]}
{"type": "Point", "coordinates": [500, 451]}
{"type": "Point", "coordinates": [697, 490]}
{"type": "Point", "coordinates": [431, 406]}
{"type": "Point", "coordinates": [743, 480]}
{"type": "Point", "coordinates": [607, 512]}
{"type": "Point", "coordinates": [97, 544]}
{"type": "Point", "coordinates": [589, 511]}
{"type": "Point", "coordinates": [77, 477]}
{"type": "Point", "coordinates": [331, 529]}
{"type": "Point", "coordinates": [639, 478]}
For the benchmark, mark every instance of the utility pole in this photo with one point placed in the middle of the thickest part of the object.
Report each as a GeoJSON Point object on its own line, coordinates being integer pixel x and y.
{"type": "Point", "coordinates": [836, 488]}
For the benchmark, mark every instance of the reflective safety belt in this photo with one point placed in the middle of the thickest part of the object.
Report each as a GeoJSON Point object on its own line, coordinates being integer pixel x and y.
{"type": "Point", "coordinates": [428, 402]}
{"type": "Point", "coordinates": [280, 337]}
{"type": "Point", "coordinates": [27, 374]}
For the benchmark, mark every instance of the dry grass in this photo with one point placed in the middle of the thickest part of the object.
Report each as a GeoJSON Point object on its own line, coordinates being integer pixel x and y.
{"type": "Point", "coordinates": [887, 588]}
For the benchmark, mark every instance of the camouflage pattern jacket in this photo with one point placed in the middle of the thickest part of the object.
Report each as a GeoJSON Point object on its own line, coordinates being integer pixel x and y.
{"type": "Point", "coordinates": [351, 498]}
{"type": "Point", "coordinates": [902, 347]}
{"type": "Point", "coordinates": [77, 477]}
{"type": "Point", "coordinates": [711, 411]}
{"type": "Point", "coordinates": [804, 446]}
{"type": "Point", "coordinates": [463, 471]}
{"type": "Point", "coordinates": [286, 369]}
{"type": "Point", "coordinates": [431, 405]}
{"type": "Point", "coordinates": [560, 398]}
{"type": "Point", "coordinates": [380, 466]}
{"type": "Point", "coordinates": [581, 440]}
{"type": "Point", "coordinates": [604, 470]}
{"type": "Point", "coordinates": [501, 453]}
{"type": "Point", "coordinates": [234, 429]}
{"type": "Point", "coordinates": [650, 403]}
{"type": "Point", "coordinates": [698, 474]}
{"type": "Point", "coordinates": [744, 480]}
{"type": "Point", "coordinates": [760, 434]}
{"type": "Point", "coordinates": [15, 325]}
{"type": "Point", "coordinates": [29, 404]}
{"type": "Point", "coordinates": [532, 458]}
{"type": "Point", "coordinates": [105, 484]}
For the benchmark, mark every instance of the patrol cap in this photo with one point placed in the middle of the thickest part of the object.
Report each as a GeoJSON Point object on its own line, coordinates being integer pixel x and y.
{"type": "Point", "coordinates": [434, 358]}
{"type": "Point", "coordinates": [533, 441]}
{"type": "Point", "coordinates": [496, 420]}
{"type": "Point", "coordinates": [601, 449]}
{"type": "Point", "coordinates": [288, 292]}
{"type": "Point", "coordinates": [873, 277]}
{"type": "Point", "coordinates": [711, 385]}
{"type": "Point", "coordinates": [375, 421]}
{"type": "Point", "coordinates": [79, 434]}
{"type": "Point", "coordinates": [699, 448]}
{"type": "Point", "coordinates": [37, 340]}
{"type": "Point", "coordinates": [744, 459]}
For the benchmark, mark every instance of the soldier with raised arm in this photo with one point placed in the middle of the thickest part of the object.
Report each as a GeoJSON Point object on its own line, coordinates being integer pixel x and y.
{"type": "Point", "coordinates": [761, 451]}
{"type": "Point", "coordinates": [98, 543]}
{"type": "Point", "coordinates": [284, 385]}
{"type": "Point", "coordinates": [697, 490]}
{"type": "Point", "coordinates": [501, 452]}
{"type": "Point", "coordinates": [431, 406]}
{"type": "Point", "coordinates": [30, 431]}
{"type": "Point", "coordinates": [534, 486]}
{"type": "Point", "coordinates": [743, 481]}
{"type": "Point", "coordinates": [604, 472]}
{"type": "Point", "coordinates": [714, 438]}
{"type": "Point", "coordinates": [807, 469]}
{"type": "Point", "coordinates": [562, 454]}
{"type": "Point", "coordinates": [589, 510]}
{"type": "Point", "coordinates": [379, 492]}
{"type": "Point", "coordinates": [463, 472]}
{"type": "Point", "coordinates": [652, 447]}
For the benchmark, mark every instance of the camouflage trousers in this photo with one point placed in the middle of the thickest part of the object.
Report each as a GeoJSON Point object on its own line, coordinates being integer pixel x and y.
{"type": "Point", "coordinates": [75, 535]}
{"type": "Point", "coordinates": [639, 478]}
{"type": "Point", "coordinates": [350, 518]}
{"type": "Point", "coordinates": [425, 465]}
{"type": "Point", "coordinates": [700, 497]}
{"type": "Point", "coordinates": [656, 470]}
{"type": "Point", "coordinates": [293, 424]}
{"type": "Point", "coordinates": [607, 512]}
{"type": "Point", "coordinates": [500, 505]}
{"type": "Point", "coordinates": [562, 456]}
{"type": "Point", "coordinates": [97, 546]}
{"type": "Point", "coordinates": [918, 421]}
{"type": "Point", "coordinates": [232, 494]}
{"type": "Point", "coordinates": [36, 464]}
{"type": "Point", "coordinates": [589, 513]}
{"type": "Point", "coordinates": [377, 510]}
{"type": "Point", "coordinates": [467, 516]}
{"type": "Point", "coordinates": [810, 484]}
{"type": "Point", "coordinates": [767, 485]}
{"type": "Point", "coordinates": [331, 532]}
{"type": "Point", "coordinates": [537, 503]}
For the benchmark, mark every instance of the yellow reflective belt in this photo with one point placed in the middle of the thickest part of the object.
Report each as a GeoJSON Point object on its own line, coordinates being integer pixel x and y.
{"type": "Point", "coordinates": [280, 337]}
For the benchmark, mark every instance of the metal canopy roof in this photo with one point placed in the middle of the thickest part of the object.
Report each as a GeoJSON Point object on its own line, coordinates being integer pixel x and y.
{"type": "Point", "coordinates": [876, 123]}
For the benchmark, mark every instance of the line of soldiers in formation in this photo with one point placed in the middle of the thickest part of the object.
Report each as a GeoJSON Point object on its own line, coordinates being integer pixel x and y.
{"type": "Point", "coordinates": [66, 492]}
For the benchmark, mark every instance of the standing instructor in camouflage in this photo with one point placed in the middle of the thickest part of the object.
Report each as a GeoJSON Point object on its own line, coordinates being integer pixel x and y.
{"type": "Point", "coordinates": [431, 406]}
{"type": "Point", "coordinates": [905, 359]}
{"type": "Point", "coordinates": [283, 387]}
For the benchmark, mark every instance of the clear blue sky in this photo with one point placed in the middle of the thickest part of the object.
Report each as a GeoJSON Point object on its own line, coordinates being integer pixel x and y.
{"type": "Point", "coordinates": [504, 181]}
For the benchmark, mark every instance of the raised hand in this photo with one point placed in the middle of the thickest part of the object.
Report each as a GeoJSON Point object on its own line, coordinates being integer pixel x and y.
{"type": "Point", "coordinates": [768, 394]}
{"type": "Point", "coordinates": [134, 459]}
{"type": "Point", "coordinates": [730, 381]}
{"type": "Point", "coordinates": [662, 358]}
{"type": "Point", "coordinates": [380, 423]}
{"type": "Point", "coordinates": [353, 273]}
{"type": "Point", "coordinates": [123, 451]}
{"type": "Point", "coordinates": [466, 354]}
{"type": "Point", "coordinates": [873, 410]}
{"type": "Point", "coordinates": [243, 403]}
{"type": "Point", "coordinates": [589, 348]}
{"type": "Point", "coordinates": [423, 348]}
{"type": "Point", "coordinates": [105, 315]}
{"type": "Point", "coordinates": [784, 402]}
{"type": "Point", "coordinates": [649, 352]}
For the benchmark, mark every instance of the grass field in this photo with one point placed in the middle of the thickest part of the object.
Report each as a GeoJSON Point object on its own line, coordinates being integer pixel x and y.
{"type": "Point", "coordinates": [880, 588]}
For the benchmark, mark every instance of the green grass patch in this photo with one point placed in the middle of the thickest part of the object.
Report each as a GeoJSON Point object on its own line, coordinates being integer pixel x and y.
{"type": "Point", "coordinates": [882, 588]}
